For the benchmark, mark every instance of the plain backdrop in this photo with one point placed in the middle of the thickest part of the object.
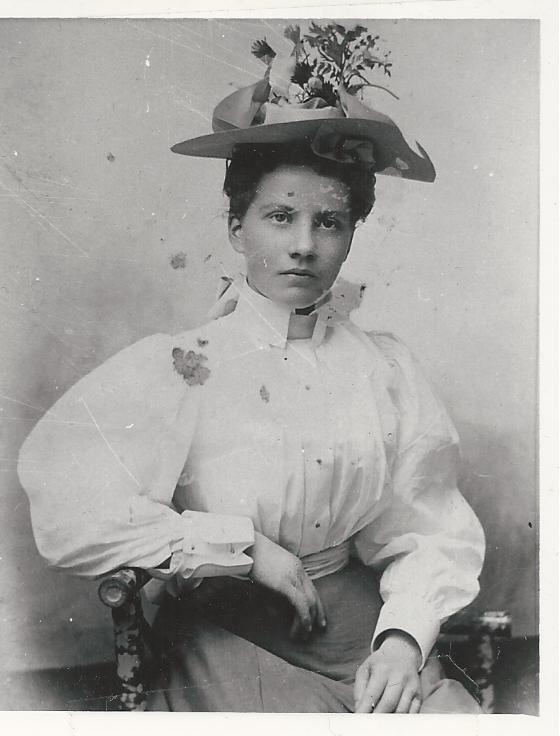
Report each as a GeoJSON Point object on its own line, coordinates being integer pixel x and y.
{"type": "Point", "coordinates": [105, 237]}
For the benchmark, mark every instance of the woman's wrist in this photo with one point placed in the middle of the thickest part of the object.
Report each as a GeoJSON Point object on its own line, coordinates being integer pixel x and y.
{"type": "Point", "coordinates": [399, 644]}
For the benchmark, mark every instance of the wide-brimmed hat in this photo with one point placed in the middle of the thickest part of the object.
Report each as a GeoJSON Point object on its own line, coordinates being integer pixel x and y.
{"type": "Point", "coordinates": [337, 125]}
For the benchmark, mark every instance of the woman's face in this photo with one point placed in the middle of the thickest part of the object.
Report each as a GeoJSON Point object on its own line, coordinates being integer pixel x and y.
{"type": "Point", "coordinates": [295, 235]}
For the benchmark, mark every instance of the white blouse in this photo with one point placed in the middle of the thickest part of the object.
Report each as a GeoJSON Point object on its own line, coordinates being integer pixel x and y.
{"type": "Point", "coordinates": [180, 446]}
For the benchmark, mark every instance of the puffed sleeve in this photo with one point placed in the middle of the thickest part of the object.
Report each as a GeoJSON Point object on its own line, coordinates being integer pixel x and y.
{"type": "Point", "coordinates": [100, 469]}
{"type": "Point", "coordinates": [427, 540]}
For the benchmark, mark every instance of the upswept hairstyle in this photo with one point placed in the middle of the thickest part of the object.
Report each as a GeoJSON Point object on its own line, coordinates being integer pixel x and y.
{"type": "Point", "coordinates": [250, 162]}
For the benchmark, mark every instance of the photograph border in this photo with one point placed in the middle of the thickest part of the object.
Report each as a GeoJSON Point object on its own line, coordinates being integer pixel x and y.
{"type": "Point", "coordinates": [547, 722]}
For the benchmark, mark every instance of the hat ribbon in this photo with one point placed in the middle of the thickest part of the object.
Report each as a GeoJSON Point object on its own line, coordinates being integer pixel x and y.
{"type": "Point", "coordinates": [329, 143]}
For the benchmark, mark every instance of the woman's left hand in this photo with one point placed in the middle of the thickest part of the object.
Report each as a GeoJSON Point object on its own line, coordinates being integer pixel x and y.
{"type": "Point", "coordinates": [388, 680]}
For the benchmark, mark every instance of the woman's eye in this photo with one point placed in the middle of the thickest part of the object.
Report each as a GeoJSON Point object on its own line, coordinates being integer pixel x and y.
{"type": "Point", "coordinates": [329, 223]}
{"type": "Point", "coordinates": [280, 217]}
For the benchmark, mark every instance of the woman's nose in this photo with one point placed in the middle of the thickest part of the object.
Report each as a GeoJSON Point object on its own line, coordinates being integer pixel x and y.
{"type": "Point", "coordinates": [303, 245]}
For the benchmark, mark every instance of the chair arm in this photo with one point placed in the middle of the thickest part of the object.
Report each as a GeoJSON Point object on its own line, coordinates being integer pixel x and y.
{"type": "Point", "coordinates": [120, 592]}
{"type": "Point", "coordinates": [121, 586]}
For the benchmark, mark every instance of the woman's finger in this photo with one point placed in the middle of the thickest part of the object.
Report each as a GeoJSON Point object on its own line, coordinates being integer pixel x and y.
{"type": "Point", "coordinates": [317, 609]}
{"type": "Point", "coordinates": [303, 623]}
{"type": "Point", "coordinates": [310, 597]}
{"type": "Point", "coordinates": [390, 698]}
{"type": "Point", "coordinates": [415, 705]}
{"type": "Point", "coordinates": [406, 700]}
{"type": "Point", "coordinates": [360, 683]}
{"type": "Point", "coordinates": [321, 615]}
{"type": "Point", "coordinates": [372, 693]}
{"type": "Point", "coordinates": [316, 605]}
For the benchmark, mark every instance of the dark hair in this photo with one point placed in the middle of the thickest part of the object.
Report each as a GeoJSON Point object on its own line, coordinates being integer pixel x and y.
{"type": "Point", "coordinates": [250, 162]}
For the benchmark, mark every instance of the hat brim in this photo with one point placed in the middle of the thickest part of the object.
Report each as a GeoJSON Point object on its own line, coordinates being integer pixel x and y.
{"type": "Point", "coordinates": [393, 155]}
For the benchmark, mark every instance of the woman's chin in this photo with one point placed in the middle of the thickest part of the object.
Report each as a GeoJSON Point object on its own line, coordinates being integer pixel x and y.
{"type": "Point", "coordinates": [302, 303]}
{"type": "Point", "coordinates": [300, 297]}
{"type": "Point", "coordinates": [293, 293]}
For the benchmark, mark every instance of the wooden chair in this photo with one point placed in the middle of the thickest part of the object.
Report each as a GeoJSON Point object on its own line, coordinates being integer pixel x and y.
{"type": "Point", "coordinates": [468, 644]}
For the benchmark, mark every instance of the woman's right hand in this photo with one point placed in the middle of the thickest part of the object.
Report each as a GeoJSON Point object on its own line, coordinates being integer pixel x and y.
{"type": "Point", "coordinates": [281, 571]}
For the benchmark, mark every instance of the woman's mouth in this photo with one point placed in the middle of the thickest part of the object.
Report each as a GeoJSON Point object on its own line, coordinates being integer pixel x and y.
{"type": "Point", "coordinates": [302, 272]}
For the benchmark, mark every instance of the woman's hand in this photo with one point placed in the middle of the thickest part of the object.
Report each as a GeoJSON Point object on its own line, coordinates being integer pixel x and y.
{"type": "Point", "coordinates": [388, 681]}
{"type": "Point", "coordinates": [281, 571]}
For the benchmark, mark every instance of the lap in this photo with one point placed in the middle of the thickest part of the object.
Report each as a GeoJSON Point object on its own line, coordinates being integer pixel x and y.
{"type": "Point", "coordinates": [213, 670]}
{"type": "Point", "coordinates": [227, 648]}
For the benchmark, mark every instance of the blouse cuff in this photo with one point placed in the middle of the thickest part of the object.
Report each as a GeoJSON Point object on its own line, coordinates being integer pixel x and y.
{"type": "Point", "coordinates": [419, 621]}
{"type": "Point", "coordinates": [211, 545]}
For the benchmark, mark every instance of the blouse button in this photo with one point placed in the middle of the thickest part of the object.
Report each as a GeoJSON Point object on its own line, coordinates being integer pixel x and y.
{"type": "Point", "coordinates": [317, 525]}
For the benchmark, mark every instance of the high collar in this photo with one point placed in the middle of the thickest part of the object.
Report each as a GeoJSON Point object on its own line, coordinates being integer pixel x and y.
{"type": "Point", "coordinates": [266, 321]}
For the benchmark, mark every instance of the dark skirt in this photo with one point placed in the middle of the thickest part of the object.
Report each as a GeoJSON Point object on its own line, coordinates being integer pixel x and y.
{"type": "Point", "coordinates": [226, 648]}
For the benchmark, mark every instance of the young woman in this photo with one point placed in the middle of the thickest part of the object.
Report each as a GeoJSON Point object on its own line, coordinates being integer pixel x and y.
{"type": "Point", "coordinates": [290, 478]}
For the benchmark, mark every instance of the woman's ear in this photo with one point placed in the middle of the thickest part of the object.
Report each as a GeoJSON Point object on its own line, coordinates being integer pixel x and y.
{"type": "Point", "coordinates": [235, 232]}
